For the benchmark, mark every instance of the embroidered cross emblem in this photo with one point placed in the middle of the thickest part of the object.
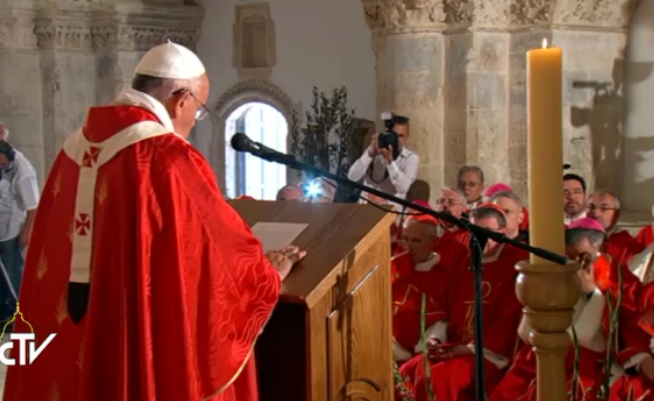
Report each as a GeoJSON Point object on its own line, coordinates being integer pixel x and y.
{"type": "Point", "coordinates": [83, 224]}
{"type": "Point", "coordinates": [91, 157]}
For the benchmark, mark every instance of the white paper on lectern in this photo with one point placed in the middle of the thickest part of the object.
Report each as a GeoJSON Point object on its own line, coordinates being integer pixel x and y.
{"type": "Point", "coordinates": [275, 235]}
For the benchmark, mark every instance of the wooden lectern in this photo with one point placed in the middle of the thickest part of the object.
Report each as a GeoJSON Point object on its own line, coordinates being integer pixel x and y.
{"type": "Point", "coordinates": [329, 338]}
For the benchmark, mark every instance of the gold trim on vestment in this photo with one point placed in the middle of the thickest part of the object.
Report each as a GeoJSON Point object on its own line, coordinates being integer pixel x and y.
{"type": "Point", "coordinates": [236, 375]}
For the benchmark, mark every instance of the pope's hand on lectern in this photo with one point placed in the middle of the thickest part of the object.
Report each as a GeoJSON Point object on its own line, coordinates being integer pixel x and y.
{"type": "Point", "coordinates": [284, 259]}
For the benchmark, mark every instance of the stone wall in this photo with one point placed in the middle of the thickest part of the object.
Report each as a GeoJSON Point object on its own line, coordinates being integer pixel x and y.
{"type": "Point", "coordinates": [59, 58]}
{"type": "Point", "coordinates": [458, 69]}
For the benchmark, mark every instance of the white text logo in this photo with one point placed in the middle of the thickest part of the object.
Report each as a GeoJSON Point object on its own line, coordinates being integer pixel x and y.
{"type": "Point", "coordinates": [27, 349]}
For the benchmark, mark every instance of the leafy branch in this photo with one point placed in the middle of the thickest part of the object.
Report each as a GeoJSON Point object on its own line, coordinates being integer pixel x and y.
{"type": "Point", "coordinates": [331, 126]}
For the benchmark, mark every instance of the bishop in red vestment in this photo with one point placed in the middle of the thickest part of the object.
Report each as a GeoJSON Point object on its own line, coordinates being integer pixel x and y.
{"type": "Point", "coordinates": [452, 365]}
{"type": "Point", "coordinates": [452, 202]}
{"type": "Point", "coordinates": [155, 287]}
{"type": "Point", "coordinates": [600, 279]}
{"type": "Point", "coordinates": [604, 207]}
{"type": "Point", "coordinates": [637, 381]}
{"type": "Point", "coordinates": [645, 236]}
{"type": "Point", "coordinates": [416, 272]}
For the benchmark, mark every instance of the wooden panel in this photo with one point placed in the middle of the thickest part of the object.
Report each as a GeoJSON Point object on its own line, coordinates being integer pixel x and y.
{"type": "Point", "coordinates": [357, 350]}
{"type": "Point", "coordinates": [377, 254]}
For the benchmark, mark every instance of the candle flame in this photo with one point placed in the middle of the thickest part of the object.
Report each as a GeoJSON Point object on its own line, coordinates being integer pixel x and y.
{"type": "Point", "coordinates": [544, 43]}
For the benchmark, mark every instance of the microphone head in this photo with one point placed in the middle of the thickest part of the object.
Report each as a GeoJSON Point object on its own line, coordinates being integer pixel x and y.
{"type": "Point", "coordinates": [240, 142]}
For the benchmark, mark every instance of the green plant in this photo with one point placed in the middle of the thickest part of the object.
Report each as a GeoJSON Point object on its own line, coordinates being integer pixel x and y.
{"type": "Point", "coordinates": [400, 386]}
{"type": "Point", "coordinates": [331, 127]}
{"type": "Point", "coordinates": [574, 384]}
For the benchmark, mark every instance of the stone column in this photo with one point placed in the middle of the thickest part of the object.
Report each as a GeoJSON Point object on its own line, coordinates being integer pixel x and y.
{"type": "Point", "coordinates": [411, 49]}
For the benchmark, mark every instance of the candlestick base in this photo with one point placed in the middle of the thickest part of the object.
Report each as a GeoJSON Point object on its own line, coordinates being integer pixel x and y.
{"type": "Point", "coordinates": [549, 293]}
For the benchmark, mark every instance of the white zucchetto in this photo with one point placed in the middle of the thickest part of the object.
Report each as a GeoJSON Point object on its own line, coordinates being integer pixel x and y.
{"type": "Point", "coordinates": [170, 61]}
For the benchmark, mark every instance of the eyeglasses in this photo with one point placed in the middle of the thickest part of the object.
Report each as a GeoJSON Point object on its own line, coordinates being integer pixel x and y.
{"type": "Point", "coordinates": [594, 208]}
{"type": "Point", "coordinates": [448, 202]}
{"type": "Point", "coordinates": [202, 111]}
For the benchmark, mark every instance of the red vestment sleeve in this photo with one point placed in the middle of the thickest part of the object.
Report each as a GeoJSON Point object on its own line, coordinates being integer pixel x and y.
{"type": "Point", "coordinates": [233, 290]}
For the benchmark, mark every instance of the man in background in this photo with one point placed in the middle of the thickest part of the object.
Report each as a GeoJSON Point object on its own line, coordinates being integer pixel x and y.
{"type": "Point", "coordinates": [19, 197]}
{"type": "Point", "coordinates": [574, 198]}
{"type": "Point", "coordinates": [290, 192]}
{"type": "Point", "coordinates": [470, 181]}
{"type": "Point", "coordinates": [379, 170]}
{"type": "Point", "coordinates": [604, 206]}
{"type": "Point", "coordinates": [514, 212]}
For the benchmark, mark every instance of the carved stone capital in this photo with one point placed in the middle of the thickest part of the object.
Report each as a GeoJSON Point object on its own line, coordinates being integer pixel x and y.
{"type": "Point", "coordinates": [416, 16]}
{"type": "Point", "coordinates": [130, 26]}
{"type": "Point", "coordinates": [139, 27]}
{"type": "Point", "coordinates": [512, 14]}
{"type": "Point", "coordinates": [63, 34]}
{"type": "Point", "coordinates": [596, 15]}
{"type": "Point", "coordinates": [525, 13]}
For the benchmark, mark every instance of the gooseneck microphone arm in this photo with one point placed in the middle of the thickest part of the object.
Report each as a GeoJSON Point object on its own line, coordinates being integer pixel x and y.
{"type": "Point", "coordinates": [478, 238]}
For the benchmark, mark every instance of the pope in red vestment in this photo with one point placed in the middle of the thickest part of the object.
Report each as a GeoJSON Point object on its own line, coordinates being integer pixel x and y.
{"type": "Point", "coordinates": [452, 367]}
{"type": "Point", "coordinates": [591, 322]}
{"type": "Point", "coordinates": [155, 287]}
{"type": "Point", "coordinates": [418, 272]}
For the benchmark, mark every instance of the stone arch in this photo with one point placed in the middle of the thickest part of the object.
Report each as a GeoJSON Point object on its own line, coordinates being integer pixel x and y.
{"type": "Point", "coordinates": [253, 90]}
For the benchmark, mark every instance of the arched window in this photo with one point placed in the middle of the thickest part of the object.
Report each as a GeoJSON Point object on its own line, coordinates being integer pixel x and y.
{"type": "Point", "coordinates": [246, 174]}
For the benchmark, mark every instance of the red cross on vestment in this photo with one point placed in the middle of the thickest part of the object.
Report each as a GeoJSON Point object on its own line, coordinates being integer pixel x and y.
{"type": "Point", "coordinates": [91, 156]}
{"type": "Point", "coordinates": [83, 224]}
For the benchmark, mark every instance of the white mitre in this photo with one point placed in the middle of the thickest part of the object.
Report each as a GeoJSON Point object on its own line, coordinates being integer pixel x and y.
{"type": "Point", "coordinates": [170, 61]}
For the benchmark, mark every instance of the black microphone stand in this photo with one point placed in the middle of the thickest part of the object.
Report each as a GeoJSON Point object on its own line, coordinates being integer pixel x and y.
{"type": "Point", "coordinates": [478, 238]}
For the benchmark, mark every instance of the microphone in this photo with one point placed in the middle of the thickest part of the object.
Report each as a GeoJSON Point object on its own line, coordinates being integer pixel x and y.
{"type": "Point", "coordinates": [242, 143]}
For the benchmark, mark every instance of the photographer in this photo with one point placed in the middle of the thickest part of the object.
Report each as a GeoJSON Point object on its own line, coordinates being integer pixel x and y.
{"type": "Point", "coordinates": [385, 168]}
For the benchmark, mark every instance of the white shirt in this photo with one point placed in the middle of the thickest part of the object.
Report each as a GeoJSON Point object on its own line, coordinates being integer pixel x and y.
{"type": "Point", "coordinates": [394, 178]}
{"type": "Point", "coordinates": [567, 220]}
{"type": "Point", "coordinates": [19, 193]}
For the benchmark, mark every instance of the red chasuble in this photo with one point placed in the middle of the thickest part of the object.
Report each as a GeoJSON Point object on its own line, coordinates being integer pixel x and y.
{"type": "Point", "coordinates": [455, 238]}
{"type": "Point", "coordinates": [621, 246]}
{"type": "Point", "coordinates": [645, 236]}
{"type": "Point", "coordinates": [519, 384]}
{"type": "Point", "coordinates": [638, 385]}
{"type": "Point", "coordinates": [179, 287]}
{"type": "Point", "coordinates": [409, 285]}
{"type": "Point", "coordinates": [453, 380]}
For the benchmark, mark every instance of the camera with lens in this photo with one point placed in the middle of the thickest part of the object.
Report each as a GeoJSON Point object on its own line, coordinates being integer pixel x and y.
{"type": "Point", "coordinates": [389, 139]}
